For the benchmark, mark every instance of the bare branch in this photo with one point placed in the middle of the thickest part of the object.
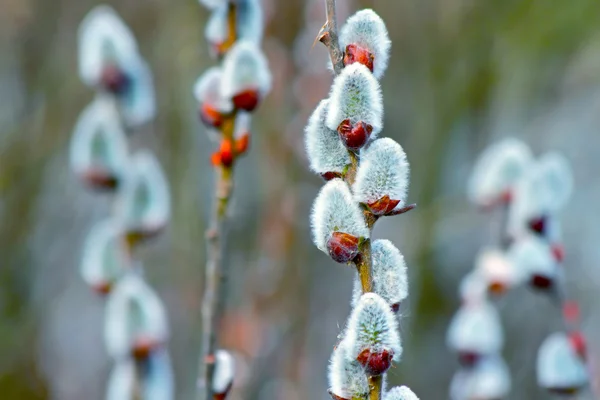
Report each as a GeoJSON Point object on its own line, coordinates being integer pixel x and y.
{"type": "Point", "coordinates": [329, 37]}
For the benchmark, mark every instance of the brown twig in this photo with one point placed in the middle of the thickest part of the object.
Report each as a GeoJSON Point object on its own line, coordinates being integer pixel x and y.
{"type": "Point", "coordinates": [214, 297]}
{"type": "Point", "coordinates": [375, 385]}
{"type": "Point", "coordinates": [328, 36]}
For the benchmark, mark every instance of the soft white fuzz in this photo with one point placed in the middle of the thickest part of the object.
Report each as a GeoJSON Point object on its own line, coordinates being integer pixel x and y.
{"type": "Point", "coordinates": [157, 381]}
{"type": "Point", "coordinates": [542, 192]}
{"type": "Point", "coordinates": [367, 29]}
{"type": "Point", "coordinates": [245, 68]}
{"type": "Point", "coordinates": [476, 328]}
{"type": "Point", "coordinates": [494, 266]}
{"type": "Point", "coordinates": [133, 310]}
{"type": "Point", "coordinates": [400, 393]}
{"type": "Point", "coordinates": [216, 30]}
{"type": "Point", "coordinates": [138, 103]}
{"type": "Point", "coordinates": [335, 210]}
{"type": "Point", "coordinates": [390, 280]}
{"type": "Point", "coordinates": [347, 378]}
{"type": "Point", "coordinates": [488, 379]}
{"type": "Point", "coordinates": [373, 326]}
{"type": "Point", "coordinates": [224, 371]}
{"type": "Point", "coordinates": [105, 256]}
{"type": "Point", "coordinates": [532, 255]}
{"type": "Point", "coordinates": [144, 201]}
{"type": "Point", "coordinates": [558, 365]}
{"type": "Point", "coordinates": [207, 89]}
{"type": "Point", "coordinates": [212, 4]}
{"type": "Point", "coordinates": [122, 381]}
{"type": "Point", "coordinates": [99, 140]}
{"type": "Point", "coordinates": [325, 150]}
{"type": "Point", "coordinates": [383, 170]}
{"type": "Point", "coordinates": [250, 24]}
{"type": "Point", "coordinates": [356, 95]}
{"type": "Point", "coordinates": [497, 170]}
{"type": "Point", "coordinates": [103, 37]}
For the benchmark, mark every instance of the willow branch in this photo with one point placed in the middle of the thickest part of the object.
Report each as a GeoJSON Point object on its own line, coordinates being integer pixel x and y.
{"type": "Point", "coordinates": [329, 37]}
{"type": "Point", "coordinates": [375, 385]}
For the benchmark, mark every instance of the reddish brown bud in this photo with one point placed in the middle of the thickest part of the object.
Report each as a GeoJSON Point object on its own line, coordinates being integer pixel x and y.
{"type": "Point", "coordinates": [242, 143]}
{"type": "Point", "coordinates": [100, 178]}
{"type": "Point", "coordinates": [468, 358]}
{"type": "Point", "coordinates": [558, 251]}
{"type": "Point", "coordinates": [342, 247]}
{"type": "Point", "coordinates": [382, 206]}
{"type": "Point", "coordinates": [375, 363]}
{"type": "Point", "coordinates": [225, 154]}
{"type": "Point", "coordinates": [113, 79]}
{"type": "Point", "coordinates": [247, 100]}
{"type": "Point", "coordinates": [497, 287]}
{"type": "Point", "coordinates": [143, 346]}
{"type": "Point", "coordinates": [335, 396]}
{"type": "Point", "coordinates": [541, 282]}
{"type": "Point", "coordinates": [355, 53]}
{"type": "Point", "coordinates": [506, 196]}
{"type": "Point", "coordinates": [402, 210]}
{"type": "Point", "coordinates": [395, 307]}
{"type": "Point", "coordinates": [331, 175]}
{"type": "Point", "coordinates": [210, 116]}
{"type": "Point", "coordinates": [354, 136]}
{"type": "Point", "coordinates": [102, 288]}
{"type": "Point", "coordinates": [579, 343]}
{"type": "Point", "coordinates": [538, 225]}
{"type": "Point", "coordinates": [223, 395]}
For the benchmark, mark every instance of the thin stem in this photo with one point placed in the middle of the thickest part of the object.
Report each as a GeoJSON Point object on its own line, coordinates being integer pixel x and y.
{"type": "Point", "coordinates": [329, 37]}
{"type": "Point", "coordinates": [375, 384]}
{"type": "Point", "coordinates": [363, 266]}
{"type": "Point", "coordinates": [213, 302]}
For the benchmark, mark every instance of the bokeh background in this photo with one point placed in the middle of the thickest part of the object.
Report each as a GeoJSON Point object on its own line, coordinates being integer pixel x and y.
{"type": "Point", "coordinates": [463, 74]}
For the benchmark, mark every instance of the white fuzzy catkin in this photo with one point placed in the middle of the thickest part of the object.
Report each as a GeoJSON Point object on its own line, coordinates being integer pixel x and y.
{"type": "Point", "coordinates": [133, 310]}
{"type": "Point", "coordinates": [373, 326]}
{"type": "Point", "coordinates": [212, 4]}
{"type": "Point", "coordinates": [105, 256]}
{"type": "Point", "coordinates": [367, 29]}
{"type": "Point", "coordinates": [224, 372]}
{"type": "Point", "coordinates": [497, 170]}
{"type": "Point", "coordinates": [542, 192]}
{"type": "Point", "coordinates": [390, 280]}
{"type": "Point", "coordinates": [383, 170]}
{"type": "Point", "coordinates": [138, 103]}
{"type": "Point", "coordinates": [157, 380]}
{"type": "Point", "coordinates": [207, 89]}
{"type": "Point", "coordinates": [335, 210]}
{"type": "Point", "coordinates": [245, 68]}
{"type": "Point", "coordinates": [144, 202]}
{"type": "Point", "coordinates": [494, 266]}
{"type": "Point", "coordinates": [473, 288]}
{"type": "Point", "coordinates": [347, 378]}
{"type": "Point", "coordinates": [532, 255]}
{"type": "Point", "coordinates": [559, 366]}
{"type": "Point", "coordinates": [400, 393]}
{"type": "Point", "coordinates": [489, 379]}
{"type": "Point", "coordinates": [216, 30]}
{"type": "Point", "coordinates": [249, 20]}
{"type": "Point", "coordinates": [476, 328]}
{"type": "Point", "coordinates": [103, 37]}
{"type": "Point", "coordinates": [98, 140]}
{"type": "Point", "coordinates": [356, 95]}
{"type": "Point", "coordinates": [122, 381]}
{"type": "Point", "coordinates": [325, 150]}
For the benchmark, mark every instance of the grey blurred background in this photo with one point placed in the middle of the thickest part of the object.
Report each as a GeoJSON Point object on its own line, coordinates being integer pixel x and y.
{"type": "Point", "coordinates": [463, 73]}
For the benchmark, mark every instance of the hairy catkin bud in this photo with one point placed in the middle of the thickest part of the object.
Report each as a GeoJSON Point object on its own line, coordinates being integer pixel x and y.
{"type": "Point", "coordinates": [144, 204]}
{"type": "Point", "coordinates": [335, 211]}
{"type": "Point", "coordinates": [475, 331]}
{"type": "Point", "coordinates": [98, 149]}
{"type": "Point", "coordinates": [383, 171]}
{"type": "Point", "coordinates": [212, 4]}
{"type": "Point", "coordinates": [372, 335]}
{"type": "Point", "coordinates": [224, 372]}
{"type": "Point", "coordinates": [104, 41]}
{"type": "Point", "coordinates": [152, 378]}
{"type": "Point", "coordinates": [544, 190]}
{"type": "Point", "coordinates": [390, 280]}
{"type": "Point", "coordinates": [364, 39]}
{"type": "Point", "coordinates": [138, 103]}
{"type": "Point", "coordinates": [136, 322]}
{"type": "Point", "coordinates": [250, 22]}
{"type": "Point", "coordinates": [487, 380]}
{"type": "Point", "coordinates": [212, 105]}
{"type": "Point", "coordinates": [347, 378]}
{"type": "Point", "coordinates": [326, 153]}
{"type": "Point", "coordinates": [355, 108]}
{"type": "Point", "coordinates": [246, 77]}
{"type": "Point", "coordinates": [497, 170]}
{"type": "Point", "coordinates": [560, 368]}
{"type": "Point", "coordinates": [105, 256]}
{"type": "Point", "coordinates": [533, 257]}
{"type": "Point", "coordinates": [496, 271]}
{"type": "Point", "coordinates": [400, 393]}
